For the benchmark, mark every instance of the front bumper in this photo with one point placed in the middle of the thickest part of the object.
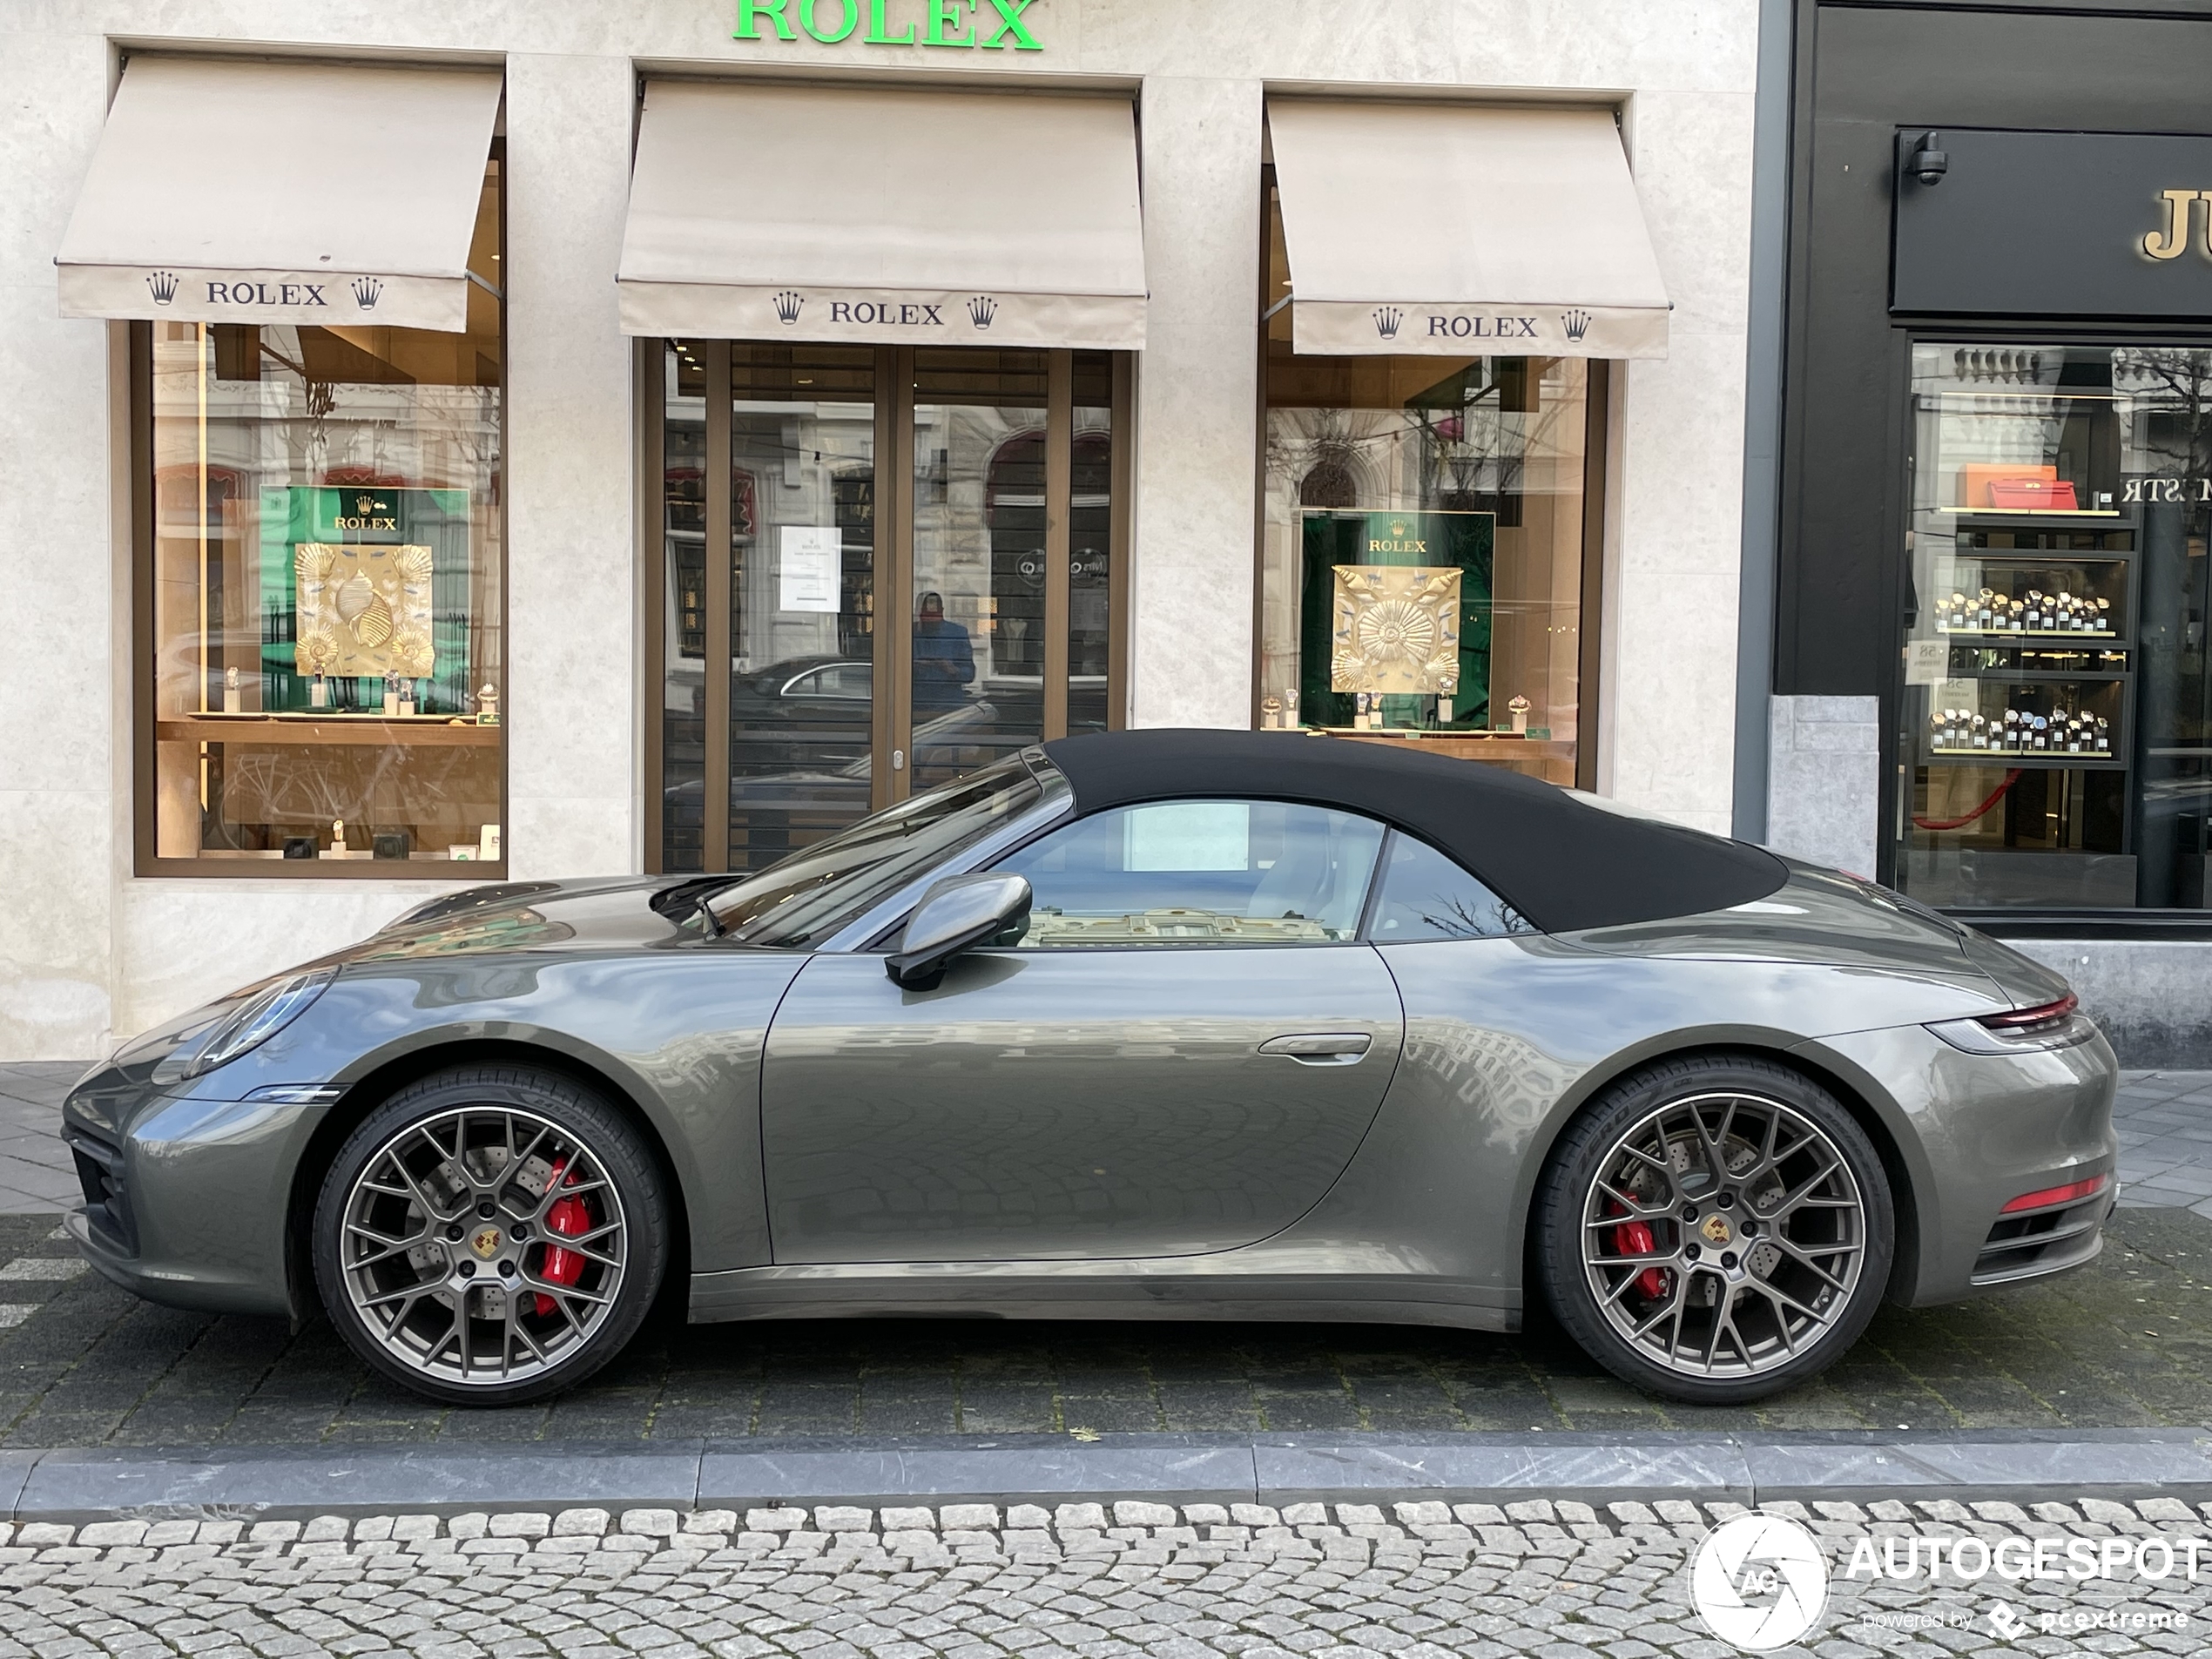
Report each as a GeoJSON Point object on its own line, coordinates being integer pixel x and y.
{"type": "Point", "coordinates": [1973, 1132]}
{"type": "Point", "coordinates": [186, 1201]}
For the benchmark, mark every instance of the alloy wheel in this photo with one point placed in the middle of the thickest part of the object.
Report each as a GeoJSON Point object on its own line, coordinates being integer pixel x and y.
{"type": "Point", "coordinates": [483, 1245]}
{"type": "Point", "coordinates": [1724, 1235]}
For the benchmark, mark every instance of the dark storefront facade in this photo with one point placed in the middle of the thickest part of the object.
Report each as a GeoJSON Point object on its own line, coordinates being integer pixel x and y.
{"type": "Point", "coordinates": [1996, 491]}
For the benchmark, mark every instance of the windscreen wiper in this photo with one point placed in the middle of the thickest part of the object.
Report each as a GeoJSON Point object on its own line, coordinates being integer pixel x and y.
{"type": "Point", "coordinates": [688, 899]}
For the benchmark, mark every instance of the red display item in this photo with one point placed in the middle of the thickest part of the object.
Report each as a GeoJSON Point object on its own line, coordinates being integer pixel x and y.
{"type": "Point", "coordinates": [2034, 494]}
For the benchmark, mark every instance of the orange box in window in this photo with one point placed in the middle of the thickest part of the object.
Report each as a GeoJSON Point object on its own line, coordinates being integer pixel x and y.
{"type": "Point", "coordinates": [1976, 477]}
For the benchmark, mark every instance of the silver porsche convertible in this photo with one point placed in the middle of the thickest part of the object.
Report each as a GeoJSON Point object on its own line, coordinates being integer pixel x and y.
{"type": "Point", "coordinates": [1142, 1025]}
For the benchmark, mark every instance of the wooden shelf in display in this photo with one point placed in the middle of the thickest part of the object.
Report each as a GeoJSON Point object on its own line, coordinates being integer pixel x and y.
{"type": "Point", "coordinates": [2038, 634]}
{"type": "Point", "coordinates": [2030, 512]}
{"type": "Point", "coordinates": [2033, 759]}
{"type": "Point", "coordinates": [376, 730]}
{"type": "Point", "coordinates": [1551, 760]}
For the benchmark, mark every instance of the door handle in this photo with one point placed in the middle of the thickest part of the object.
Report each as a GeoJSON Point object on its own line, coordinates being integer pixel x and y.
{"type": "Point", "coordinates": [1321, 1048]}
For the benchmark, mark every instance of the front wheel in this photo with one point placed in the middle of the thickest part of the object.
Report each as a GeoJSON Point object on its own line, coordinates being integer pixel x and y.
{"type": "Point", "coordinates": [1714, 1230]}
{"type": "Point", "coordinates": [490, 1235]}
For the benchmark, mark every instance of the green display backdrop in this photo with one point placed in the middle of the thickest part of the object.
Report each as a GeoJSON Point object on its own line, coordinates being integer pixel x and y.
{"type": "Point", "coordinates": [1462, 540]}
{"type": "Point", "coordinates": [366, 514]}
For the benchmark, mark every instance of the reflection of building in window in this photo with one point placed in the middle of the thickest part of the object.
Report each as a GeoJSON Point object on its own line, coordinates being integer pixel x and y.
{"type": "Point", "coordinates": [1176, 927]}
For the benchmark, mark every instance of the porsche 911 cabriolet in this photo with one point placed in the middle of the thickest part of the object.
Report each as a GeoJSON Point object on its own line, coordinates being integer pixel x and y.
{"type": "Point", "coordinates": [1138, 1025]}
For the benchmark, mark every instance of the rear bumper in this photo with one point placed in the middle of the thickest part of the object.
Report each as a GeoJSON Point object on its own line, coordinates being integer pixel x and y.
{"type": "Point", "coordinates": [1973, 1132]}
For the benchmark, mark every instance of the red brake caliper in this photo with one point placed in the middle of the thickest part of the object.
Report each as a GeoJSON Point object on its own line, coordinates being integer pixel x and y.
{"type": "Point", "coordinates": [571, 1219]}
{"type": "Point", "coordinates": [1633, 1238]}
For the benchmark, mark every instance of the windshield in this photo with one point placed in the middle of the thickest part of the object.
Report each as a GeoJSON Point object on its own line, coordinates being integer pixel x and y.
{"type": "Point", "coordinates": [811, 894]}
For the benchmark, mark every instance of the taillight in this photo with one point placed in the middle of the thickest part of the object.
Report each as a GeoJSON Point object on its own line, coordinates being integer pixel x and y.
{"type": "Point", "coordinates": [2048, 1016]}
{"type": "Point", "coordinates": [2071, 1192]}
{"type": "Point", "coordinates": [2048, 1025]}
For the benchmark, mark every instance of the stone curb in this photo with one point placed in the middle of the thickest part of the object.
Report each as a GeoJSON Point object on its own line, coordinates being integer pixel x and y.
{"type": "Point", "coordinates": [88, 1483]}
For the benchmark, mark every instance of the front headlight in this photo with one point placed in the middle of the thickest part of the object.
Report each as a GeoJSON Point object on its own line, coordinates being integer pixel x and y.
{"type": "Point", "coordinates": [247, 1024]}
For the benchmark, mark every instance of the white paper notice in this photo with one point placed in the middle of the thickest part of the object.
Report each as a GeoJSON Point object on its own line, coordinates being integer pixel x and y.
{"type": "Point", "coordinates": [1928, 662]}
{"type": "Point", "coordinates": [807, 571]}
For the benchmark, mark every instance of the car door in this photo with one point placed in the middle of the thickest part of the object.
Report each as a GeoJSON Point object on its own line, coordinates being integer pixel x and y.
{"type": "Point", "coordinates": [1181, 1057]}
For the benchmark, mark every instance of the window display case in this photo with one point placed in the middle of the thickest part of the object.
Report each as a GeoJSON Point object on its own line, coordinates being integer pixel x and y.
{"type": "Point", "coordinates": [2055, 582]}
{"type": "Point", "coordinates": [319, 599]}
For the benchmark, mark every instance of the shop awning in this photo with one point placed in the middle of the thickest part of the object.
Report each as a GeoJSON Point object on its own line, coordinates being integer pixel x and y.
{"type": "Point", "coordinates": [282, 193]}
{"type": "Point", "coordinates": [833, 213]}
{"type": "Point", "coordinates": [1462, 232]}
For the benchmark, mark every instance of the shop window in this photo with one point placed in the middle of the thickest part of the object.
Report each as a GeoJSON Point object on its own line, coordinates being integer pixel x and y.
{"type": "Point", "coordinates": [319, 595]}
{"type": "Point", "coordinates": [2057, 711]}
{"type": "Point", "coordinates": [1430, 549]}
{"type": "Point", "coordinates": [871, 539]}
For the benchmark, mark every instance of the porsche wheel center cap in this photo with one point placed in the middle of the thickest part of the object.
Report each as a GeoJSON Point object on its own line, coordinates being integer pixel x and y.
{"type": "Point", "coordinates": [485, 1241]}
{"type": "Point", "coordinates": [1715, 1229]}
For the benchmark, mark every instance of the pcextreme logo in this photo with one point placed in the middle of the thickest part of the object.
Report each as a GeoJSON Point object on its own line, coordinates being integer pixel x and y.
{"type": "Point", "coordinates": [990, 25]}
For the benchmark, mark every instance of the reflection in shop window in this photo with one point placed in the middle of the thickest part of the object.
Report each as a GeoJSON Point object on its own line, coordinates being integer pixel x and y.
{"type": "Point", "coordinates": [2057, 714]}
{"type": "Point", "coordinates": [324, 657]}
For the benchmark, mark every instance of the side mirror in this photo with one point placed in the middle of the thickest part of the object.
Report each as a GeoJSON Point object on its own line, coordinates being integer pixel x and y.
{"type": "Point", "coordinates": [955, 916]}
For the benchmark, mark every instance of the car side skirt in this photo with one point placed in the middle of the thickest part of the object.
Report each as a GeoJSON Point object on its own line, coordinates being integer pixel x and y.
{"type": "Point", "coordinates": [1148, 1290]}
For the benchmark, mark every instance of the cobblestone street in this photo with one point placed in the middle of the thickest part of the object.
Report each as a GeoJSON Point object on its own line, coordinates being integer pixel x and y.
{"type": "Point", "coordinates": [2123, 1344]}
{"type": "Point", "coordinates": [1413, 1580]}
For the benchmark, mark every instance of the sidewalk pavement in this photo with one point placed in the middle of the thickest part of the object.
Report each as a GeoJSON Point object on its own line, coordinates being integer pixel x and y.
{"type": "Point", "coordinates": [1414, 1580]}
{"type": "Point", "coordinates": [36, 1175]}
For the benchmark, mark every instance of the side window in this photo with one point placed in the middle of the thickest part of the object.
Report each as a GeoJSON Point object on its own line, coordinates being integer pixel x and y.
{"type": "Point", "coordinates": [1201, 872]}
{"type": "Point", "coordinates": [1425, 895]}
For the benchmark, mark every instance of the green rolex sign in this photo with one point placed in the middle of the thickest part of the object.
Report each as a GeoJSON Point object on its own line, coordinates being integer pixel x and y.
{"type": "Point", "coordinates": [992, 25]}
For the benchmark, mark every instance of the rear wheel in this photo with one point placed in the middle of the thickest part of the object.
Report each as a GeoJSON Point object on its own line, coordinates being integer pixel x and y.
{"type": "Point", "coordinates": [490, 1235]}
{"type": "Point", "coordinates": [1714, 1230]}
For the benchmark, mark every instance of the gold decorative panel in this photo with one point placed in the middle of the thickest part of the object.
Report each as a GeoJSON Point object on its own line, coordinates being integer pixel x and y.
{"type": "Point", "coordinates": [363, 611]}
{"type": "Point", "coordinates": [1396, 629]}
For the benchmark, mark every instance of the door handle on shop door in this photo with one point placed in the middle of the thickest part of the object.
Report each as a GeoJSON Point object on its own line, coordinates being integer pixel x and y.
{"type": "Point", "coordinates": [1320, 1047]}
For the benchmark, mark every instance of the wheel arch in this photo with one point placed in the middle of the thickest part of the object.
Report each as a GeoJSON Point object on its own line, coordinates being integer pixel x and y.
{"type": "Point", "coordinates": [1870, 1107]}
{"type": "Point", "coordinates": [387, 1076]}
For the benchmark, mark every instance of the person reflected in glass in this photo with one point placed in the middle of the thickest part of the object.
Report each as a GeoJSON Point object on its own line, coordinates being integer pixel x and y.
{"type": "Point", "coordinates": [944, 660]}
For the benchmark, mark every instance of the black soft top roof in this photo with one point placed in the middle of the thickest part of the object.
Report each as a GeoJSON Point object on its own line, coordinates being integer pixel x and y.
{"type": "Point", "coordinates": [1561, 862]}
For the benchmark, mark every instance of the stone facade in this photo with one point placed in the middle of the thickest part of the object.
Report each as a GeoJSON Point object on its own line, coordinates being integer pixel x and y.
{"type": "Point", "coordinates": [90, 951]}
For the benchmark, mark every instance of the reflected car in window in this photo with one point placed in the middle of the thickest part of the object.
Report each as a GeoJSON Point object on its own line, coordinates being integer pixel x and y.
{"type": "Point", "coordinates": [1138, 1025]}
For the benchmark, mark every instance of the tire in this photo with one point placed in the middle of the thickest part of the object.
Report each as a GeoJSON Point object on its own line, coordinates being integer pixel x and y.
{"type": "Point", "coordinates": [1673, 1294]}
{"type": "Point", "coordinates": [460, 1192]}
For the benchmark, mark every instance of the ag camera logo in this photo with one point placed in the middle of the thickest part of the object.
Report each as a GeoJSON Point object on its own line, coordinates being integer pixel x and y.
{"type": "Point", "coordinates": [1759, 1581]}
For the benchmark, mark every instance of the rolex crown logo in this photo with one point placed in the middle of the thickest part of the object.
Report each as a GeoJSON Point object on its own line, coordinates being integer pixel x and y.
{"type": "Point", "coordinates": [787, 305]}
{"type": "Point", "coordinates": [162, 285]}
{"type": "Point", "coordinates": [1387, 320]}
{"type": "Point", "coordinates": [1577, 323]}
{"type": "Point", "coordinates": [367, 292]}
{"type": "Point", "coordinates": [1398, 530]}
{"type": "Point", "coordinates": [364, 505]}
{"type": "Point", "coordinates": [982, 309]}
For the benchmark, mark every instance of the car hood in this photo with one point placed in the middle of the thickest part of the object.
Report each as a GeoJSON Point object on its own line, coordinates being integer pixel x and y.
{"type": "Point", "coordinates": [605, 913]}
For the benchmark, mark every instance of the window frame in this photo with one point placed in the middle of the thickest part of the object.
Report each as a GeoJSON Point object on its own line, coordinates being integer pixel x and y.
{"type": "Point", "coordinates": [147, 860]}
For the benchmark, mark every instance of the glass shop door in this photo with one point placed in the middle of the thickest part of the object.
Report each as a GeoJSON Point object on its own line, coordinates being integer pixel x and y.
{"type": "Point", "coordinates": [910, 561]}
